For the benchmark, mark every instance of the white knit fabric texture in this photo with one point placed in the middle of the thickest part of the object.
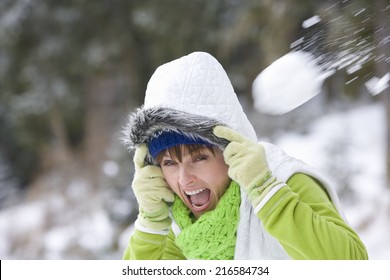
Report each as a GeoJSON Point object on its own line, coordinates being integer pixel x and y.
{"type": "Point", "coordinates": [198, 84]}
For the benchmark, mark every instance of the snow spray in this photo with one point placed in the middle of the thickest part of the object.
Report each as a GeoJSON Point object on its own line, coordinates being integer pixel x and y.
{"type": "Point", "coordinates": [329, 45]}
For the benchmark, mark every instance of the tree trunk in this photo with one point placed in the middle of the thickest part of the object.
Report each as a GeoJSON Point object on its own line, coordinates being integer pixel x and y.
{"type": "Point", "coordinates": [98, 97]}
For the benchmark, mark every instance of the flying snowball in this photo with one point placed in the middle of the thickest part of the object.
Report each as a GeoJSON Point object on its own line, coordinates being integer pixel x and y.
{"type": "Point", "coordinates": [287, 83]}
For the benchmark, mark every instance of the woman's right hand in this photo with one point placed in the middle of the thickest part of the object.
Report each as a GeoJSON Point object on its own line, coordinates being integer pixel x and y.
{"type": "Point", "coordinates": [152, 192]}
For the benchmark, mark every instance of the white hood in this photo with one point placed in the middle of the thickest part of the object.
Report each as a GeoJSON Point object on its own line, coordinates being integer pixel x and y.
{"type": "Point", "coordinates": [198, 84]}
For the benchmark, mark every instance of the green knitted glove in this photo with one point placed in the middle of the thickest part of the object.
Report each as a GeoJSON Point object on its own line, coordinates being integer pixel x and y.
{"type": "Point", "coordinates": [247, 164]}
{"type": "Point", "coordinates": [152, 192]}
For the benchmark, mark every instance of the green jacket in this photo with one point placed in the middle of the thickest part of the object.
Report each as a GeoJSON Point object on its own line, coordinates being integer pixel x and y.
{"type": "Point", "coordinates": [300, 216]}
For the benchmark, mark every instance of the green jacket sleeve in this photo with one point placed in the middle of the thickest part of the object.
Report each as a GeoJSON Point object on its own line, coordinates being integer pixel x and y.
{"type": "Point", "coordinates": [303, 219]}
{"type": "Point", "coordinates": [148, 246]}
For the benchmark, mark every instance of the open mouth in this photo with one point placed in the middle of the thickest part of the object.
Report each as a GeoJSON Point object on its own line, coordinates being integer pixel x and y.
{"type": "Point", "coordinates": [199, 199]}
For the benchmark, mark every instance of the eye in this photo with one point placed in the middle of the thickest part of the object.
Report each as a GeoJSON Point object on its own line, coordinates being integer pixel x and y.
{"type": "Point", "coordinates": [168, 162]}
{"type": "Point", "coordinates": [200, 157]}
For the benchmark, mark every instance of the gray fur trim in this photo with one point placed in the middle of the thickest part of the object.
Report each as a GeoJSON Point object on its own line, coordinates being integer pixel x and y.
{"type": "Point", "coordinates": [147, 123]}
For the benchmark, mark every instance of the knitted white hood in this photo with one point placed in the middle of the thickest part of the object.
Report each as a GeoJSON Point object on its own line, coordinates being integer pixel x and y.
{"type": "Point", "coordinates": [192, 95]}
{"type": "Point", "coordinates": [197, 84]}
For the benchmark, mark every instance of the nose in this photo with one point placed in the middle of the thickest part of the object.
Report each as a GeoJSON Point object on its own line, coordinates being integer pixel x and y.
{"type": "Point", "coordinates": [186, 176]}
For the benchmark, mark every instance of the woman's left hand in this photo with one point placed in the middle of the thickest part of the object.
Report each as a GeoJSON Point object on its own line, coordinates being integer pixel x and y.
{"type": "Point", "coordinates": [247, 162]}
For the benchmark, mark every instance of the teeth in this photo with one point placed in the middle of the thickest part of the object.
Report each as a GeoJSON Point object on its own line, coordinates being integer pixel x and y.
{"type": "Point", "coordinates": [194, 192]}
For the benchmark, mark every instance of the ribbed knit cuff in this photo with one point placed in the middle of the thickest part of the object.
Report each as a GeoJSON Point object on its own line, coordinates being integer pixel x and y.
{"type": "Point", "coordinates": [268, 194]}
{"type": "Point", "coordinates": [146, 226]}
{"type": "Point", "coordinates": [262, 188]}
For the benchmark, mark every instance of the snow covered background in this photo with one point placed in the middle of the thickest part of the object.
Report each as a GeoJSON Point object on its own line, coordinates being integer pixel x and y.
{"type": "Point", "coordinates": [348, 146]}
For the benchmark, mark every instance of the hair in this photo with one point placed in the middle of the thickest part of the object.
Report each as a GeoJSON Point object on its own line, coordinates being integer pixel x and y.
{"type": "Point", "coordinates": [176, 152]}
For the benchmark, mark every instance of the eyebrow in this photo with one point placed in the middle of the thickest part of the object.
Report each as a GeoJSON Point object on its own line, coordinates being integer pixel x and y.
{"type": "Point", "coordinates": [175, 153]}
{"type": "Point", "coordinates": [167, 156]}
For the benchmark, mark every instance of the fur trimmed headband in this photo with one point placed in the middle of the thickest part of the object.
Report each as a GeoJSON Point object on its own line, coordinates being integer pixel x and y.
{"type": "Point", "coordinates": [146, 124]}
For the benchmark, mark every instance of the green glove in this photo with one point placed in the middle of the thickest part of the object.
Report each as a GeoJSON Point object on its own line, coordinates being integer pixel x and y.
{"type": "Point", "coordinates": [152, 192]}
{"type": "Point", "coordinates": [248, 165]}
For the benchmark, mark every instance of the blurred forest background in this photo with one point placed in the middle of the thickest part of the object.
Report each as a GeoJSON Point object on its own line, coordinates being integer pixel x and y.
{"type": "Point", "coordinates": [71, 71]}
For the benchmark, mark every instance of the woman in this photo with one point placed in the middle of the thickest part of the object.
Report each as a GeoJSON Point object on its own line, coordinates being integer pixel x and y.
{"type": "Point", "coordinates": [207, 190]}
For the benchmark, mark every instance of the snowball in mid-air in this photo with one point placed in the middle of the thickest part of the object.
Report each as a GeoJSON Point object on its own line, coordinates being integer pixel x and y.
{"type": "Point", "coordinates": [287, 83]}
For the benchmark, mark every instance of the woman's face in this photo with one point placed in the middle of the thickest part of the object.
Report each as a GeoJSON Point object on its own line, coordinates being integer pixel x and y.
{"type": "Point", "coordinates": [199, 179]}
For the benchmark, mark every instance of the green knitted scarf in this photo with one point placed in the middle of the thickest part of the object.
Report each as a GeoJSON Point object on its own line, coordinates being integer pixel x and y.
{"type": "Point", "coordinates": [213, 235]}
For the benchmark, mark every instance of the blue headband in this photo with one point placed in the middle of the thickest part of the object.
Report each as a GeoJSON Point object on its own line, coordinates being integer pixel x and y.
{"type": "Point", "coordinates": [170, 139]}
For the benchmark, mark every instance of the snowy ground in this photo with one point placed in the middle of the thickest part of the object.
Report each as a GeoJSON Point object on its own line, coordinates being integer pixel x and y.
{"type": "Point", "coordinates": [349, 146]}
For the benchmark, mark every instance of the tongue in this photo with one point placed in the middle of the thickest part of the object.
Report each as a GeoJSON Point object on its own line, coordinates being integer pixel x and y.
{"type": "Point", "coordinates": [200, 198]}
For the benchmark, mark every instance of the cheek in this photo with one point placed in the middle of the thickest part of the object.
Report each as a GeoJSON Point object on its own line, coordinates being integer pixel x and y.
{"type": "Point", "coordinates": [218, 178]}
{"type": "Point", "coordinates": [223, 182]}
{"type": "Point", "coordinates": [171, 178]}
